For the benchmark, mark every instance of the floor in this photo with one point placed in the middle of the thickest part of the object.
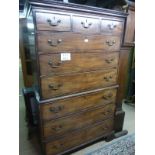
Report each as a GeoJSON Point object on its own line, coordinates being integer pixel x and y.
{"type": "Point", "coordinates": [31, 147]}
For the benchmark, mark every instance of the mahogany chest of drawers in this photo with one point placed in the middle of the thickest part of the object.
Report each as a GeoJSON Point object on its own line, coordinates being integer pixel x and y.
{"type": "Point", "coordinates": [76, 70]}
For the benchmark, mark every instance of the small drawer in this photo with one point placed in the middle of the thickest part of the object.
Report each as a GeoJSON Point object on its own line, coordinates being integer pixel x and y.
{"type": "Point", "coordinates": [74, 139]}
{"type": "Point", "coordinates": [62, 107]}
{"type": "Point", "coordinates": [53, 22]}
{"type": "Point", "coordinates": [86, 25]}
{"type": "Point", "coordinates": [64, 42]}
{"type": "Point", "coordinates": [67, 124]}
{"type": "Point", "coordinates": [78, 62]}
{"type": "Point", "coordinates": [111, 27]}
{"type": "Point", "coordinates": [73, 83]}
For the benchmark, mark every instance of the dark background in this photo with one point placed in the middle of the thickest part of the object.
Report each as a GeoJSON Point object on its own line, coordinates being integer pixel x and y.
{"type": "Point", "coordinates": [98, 3]}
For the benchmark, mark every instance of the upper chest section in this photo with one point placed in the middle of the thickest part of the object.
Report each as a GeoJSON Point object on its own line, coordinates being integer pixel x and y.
{"type": "Point", "coordinates": [77, 22]}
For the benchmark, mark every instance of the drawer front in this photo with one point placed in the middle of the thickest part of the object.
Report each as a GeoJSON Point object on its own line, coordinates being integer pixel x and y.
{"type": "Point", "coordinates": [70, 105]}
{"type": "Point", "coordinates": [67, 124]}
{"type": "Point", "coordinates": [65, 42]}
{"type": "Point", "coordinates": [86, 24]}
{"type": "Point", "coordinates": [53, 22]}
{"type": "Point", "coordinates": [79, 62]}
{"type": "Point", "coordinates": [73, 83]}
{"type": "Point", "coordinates": [77, 138]}
{"type": "Point", "coordinates": [112, 27]}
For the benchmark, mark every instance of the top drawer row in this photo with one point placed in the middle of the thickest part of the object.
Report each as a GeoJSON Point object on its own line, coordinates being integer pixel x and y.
{"type": "Point", "coordinates": [81, 24]}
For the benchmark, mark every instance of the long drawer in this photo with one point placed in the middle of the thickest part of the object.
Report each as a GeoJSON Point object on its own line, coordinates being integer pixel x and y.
{"type": "Point", "coordinates": [77, 62]}
{"type": "Point", "coordinates": [65, 42]}
{"type": "Point", "coordinates": [73, 83]}
{"type": "Point", "coordinates": [77, 120]}
{"type": "Point", "coordinates": [62, 107]}
{"type": "Point", "coordinates": [75, 138]}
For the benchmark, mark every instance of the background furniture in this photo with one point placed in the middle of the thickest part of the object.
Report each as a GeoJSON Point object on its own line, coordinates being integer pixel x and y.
{"type": "Point", "coordinates": [25, 48]}
{"type": "Point", "coordinates": [126, 81]}
{"type": "Point", "coordinates": [77, 66]}
{"type": "Point", "coordinates": [131, 82]}
{"type": "Point", "coordinates": [31, 111]}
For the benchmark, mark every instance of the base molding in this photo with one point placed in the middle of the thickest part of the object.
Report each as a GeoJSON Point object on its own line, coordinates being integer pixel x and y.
{"type": "Point", "coordinates": [118, 124]}
{"type": "Point", "coordinates": [110, 137]}
{"type": "Point", "coordinates": [115, 133]}
{"type": "Point", "coordinates": [121, 133]}
{"type": "Point", "coordinates": [119, 120]}
{"type": "Point", "coordinates": [106, 137]}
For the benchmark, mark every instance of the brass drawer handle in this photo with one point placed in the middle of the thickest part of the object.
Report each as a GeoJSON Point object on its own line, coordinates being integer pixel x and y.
{"type": "Point", "coordinates": [110, 42]}
{"type": "Point", "coordinates": [105, 128]}
{"type": "Point", "coordinates": [54, 21]}
{"type": "Point", "coordinates": [59, 146]}
{"type": "Point", "coordinates": [53, 65]}
{"type": "Point", "coordinates": [86, 24]}
{"type": "Point", "coordinates": [109, 60]}
{"type": "Point", "coordinates": [54, 43]}
{"type": "Point", "coordinates": [54, 87]}
{"type": "Point", "coordinates": [58, 128]}
{"type": "Point", "coordinates": [108, 78]}
{"type": "Point", "coordinates": [56, 109]}
{"type": "Point", "coordinates": [107, 112]}
{"type": "Point", "coordinates": [112, 26]}
{"type": "Point", "coordinates": [107, 96]}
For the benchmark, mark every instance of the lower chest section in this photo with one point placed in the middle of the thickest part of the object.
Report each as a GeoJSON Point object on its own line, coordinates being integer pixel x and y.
{"type": "Point", "coordinates": [77, 120]}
